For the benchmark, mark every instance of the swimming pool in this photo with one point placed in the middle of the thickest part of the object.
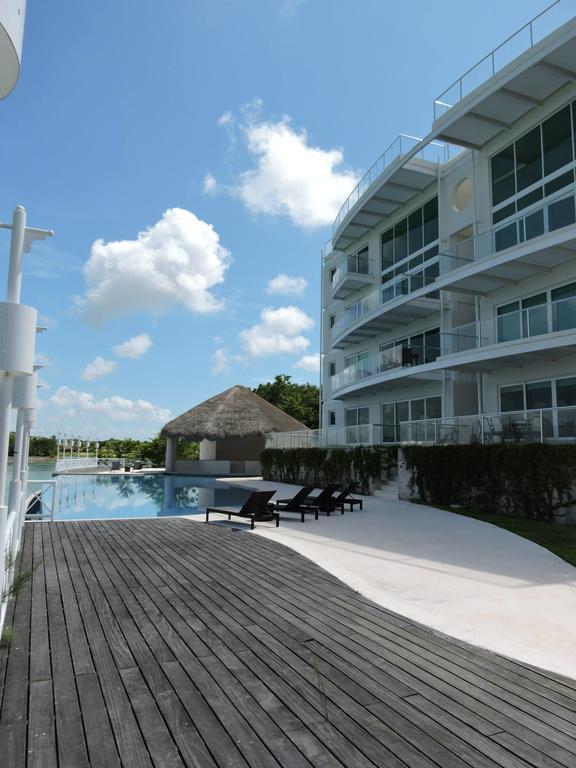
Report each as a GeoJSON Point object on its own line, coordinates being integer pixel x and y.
{"type": "Point", "coordinates": [105, 497]}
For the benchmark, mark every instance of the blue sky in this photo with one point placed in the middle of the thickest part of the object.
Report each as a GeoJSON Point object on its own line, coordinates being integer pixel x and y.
{"type": "Point", "coordinates": [227, 133]}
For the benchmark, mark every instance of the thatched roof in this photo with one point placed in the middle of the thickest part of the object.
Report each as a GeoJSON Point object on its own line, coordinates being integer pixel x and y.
{"type": "Point", "coordinates": [237, 412]}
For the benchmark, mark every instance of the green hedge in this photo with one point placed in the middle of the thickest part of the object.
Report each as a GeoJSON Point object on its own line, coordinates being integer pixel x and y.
{"type": "Point", "coordinates": [320, 466]}
{"type": "Point", "coordinates": [533, 481]}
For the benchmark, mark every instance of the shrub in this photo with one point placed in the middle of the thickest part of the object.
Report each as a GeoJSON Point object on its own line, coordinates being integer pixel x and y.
{"type": "Point", "coordinates": [534, 481]}
{"type": "Point", "coordinates": [320, 466]}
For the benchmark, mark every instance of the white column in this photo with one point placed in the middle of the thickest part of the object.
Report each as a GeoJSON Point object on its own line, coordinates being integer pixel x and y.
{"type": "Point", "coordinates": [170, 458]}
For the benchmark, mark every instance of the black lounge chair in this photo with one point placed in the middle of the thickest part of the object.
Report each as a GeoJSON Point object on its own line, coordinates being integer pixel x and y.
{"type": "Point", "coordinates": [298, 503]}
{"type": "Point", "coordinates": [325, 500]}
{"type": "Point", "coordinates": [344, 497]}
{"type": "Point", "coordinates": [256, 508]}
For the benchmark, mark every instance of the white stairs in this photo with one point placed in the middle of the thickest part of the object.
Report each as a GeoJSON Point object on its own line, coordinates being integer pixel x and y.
{"type": "Point", "coordinates": [388, 492]}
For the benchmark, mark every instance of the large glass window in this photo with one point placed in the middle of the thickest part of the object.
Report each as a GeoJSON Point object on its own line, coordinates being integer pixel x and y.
{"type": "Point", "coordinates": [528, 159]}
{"type": "Point", "coordinates": [508, 322]}
{"type": "Point", "coordinates": [564, 307]}
{"type": "Point", "coordinates": [400, 240]}
{"type": "Point", "coordinates": [415, 231]}
{"type": "Point", "coordinates": [512, 398]}
{"type": "Point", "coordinates": [557, 141]}
{"type": "Point", "coordinates": [503, 177]}
{"type": "Point", "coordinates": [535, 315]}
{"type": "Point", "coordinates": [566, 392]}
{"type": "Point", "coordinates": [358, 425]}
{"type": "Point", "coordinates": [430, 212]}
{"type": "Point", "coordinates": [387, 249]}
{"type": "Point", "coordinates": [542, 151]}
{"type": "Point", "coordinates": [538, 395]}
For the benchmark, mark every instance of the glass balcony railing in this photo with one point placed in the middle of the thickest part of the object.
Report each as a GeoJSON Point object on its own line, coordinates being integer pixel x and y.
{"type": "Point", "coordinates": [360, 434]}
{"type": "Point", "coordinates": [554, 214]}
{"type": "Point", "coordinates": [401, 285]}
{"type": "Point", "coordinates": [528, 426]}
{"type": "Point", "coordinates": [551, 317]}
{"type": "Point", "coordinates": [434, 152]}
{"type": "Point", "coordinates": [387, 359]}
{"type": "Point", "coordinates": [352, 265]}
{"type": "Point", "coordinates": [551, 18]}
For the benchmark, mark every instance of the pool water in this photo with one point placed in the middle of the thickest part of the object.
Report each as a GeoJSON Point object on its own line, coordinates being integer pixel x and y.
{"type": "Point", "coordinates": [98, 497]}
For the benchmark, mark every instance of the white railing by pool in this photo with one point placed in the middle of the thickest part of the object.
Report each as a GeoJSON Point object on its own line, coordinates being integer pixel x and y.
{"type": "Point", "coordinates": [550, 19]}
{"type": "Point", "coordinates": [74, 463]}
{"type": "Point", "coordinates": [42, 504]}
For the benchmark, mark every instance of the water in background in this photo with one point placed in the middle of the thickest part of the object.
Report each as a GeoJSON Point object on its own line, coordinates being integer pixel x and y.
{"type": "Point", "coordinates": [37, 470]}
{"type": "Point", "coordinates": [97, 497]}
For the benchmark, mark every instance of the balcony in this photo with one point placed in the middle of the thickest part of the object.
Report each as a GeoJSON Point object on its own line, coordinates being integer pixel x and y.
{"type": "Point", "coordinates": [404, 169]}
{"type": "Point", "coordinates": [400, 300]}
{"type": "Point", "coordinates": [540, 239]}
{"type": "Point", "coordinates": [529, 426]}
{"type": "Point", "coordinates": [329, 437]}
{"type": "Point", "coordinates": [392, 363]}
{"type": "Point", "coordinates": [540, 333]}
{"type": "Point", "coordinates": [511, 80]}
{"type": "Point", "coordinates": [354, 272]}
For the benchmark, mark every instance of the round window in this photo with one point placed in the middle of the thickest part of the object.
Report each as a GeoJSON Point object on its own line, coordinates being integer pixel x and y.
{"type": "Point", "coordinates": [462, 194]}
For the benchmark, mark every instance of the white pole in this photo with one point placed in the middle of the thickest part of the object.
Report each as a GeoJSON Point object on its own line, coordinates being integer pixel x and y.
{"type": "Point", "coordinates": [16, 255]}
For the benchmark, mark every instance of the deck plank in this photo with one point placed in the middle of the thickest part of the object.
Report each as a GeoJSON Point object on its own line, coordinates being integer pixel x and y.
{"type": "Point", "coordinates": [170, 643]}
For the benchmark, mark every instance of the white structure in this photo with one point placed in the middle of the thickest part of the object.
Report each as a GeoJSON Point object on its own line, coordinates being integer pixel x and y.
{"type": "Point", "coordinates": [449, 285]}
{"type": "Point", "coordinates": [12, 14]}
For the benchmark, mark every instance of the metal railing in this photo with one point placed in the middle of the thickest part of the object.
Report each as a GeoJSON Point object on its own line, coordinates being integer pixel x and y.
{"type": "Point", "coordinates": [557, 212]}
{"type": "Point", "coordinates": [526, 426]}
{"type": "Point", "coordinates": [434, 152]}
{"type": "Point", "coordinates": [526, 323]}
{"type": "Point", "coordinates": [329, 437]}
{"type": "Point", "coordinates": [550, 19]}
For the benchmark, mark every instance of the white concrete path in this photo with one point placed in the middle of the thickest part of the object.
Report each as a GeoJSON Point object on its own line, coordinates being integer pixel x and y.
{"type": "Point", "coordinates": [466, 578]}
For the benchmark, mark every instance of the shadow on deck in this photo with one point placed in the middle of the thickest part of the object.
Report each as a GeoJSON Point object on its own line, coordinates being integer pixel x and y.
{"type": "Point", "coordinates": [172, 643]}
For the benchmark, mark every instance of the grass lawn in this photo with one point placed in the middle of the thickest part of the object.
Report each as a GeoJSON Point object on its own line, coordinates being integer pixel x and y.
{"type": "Point", "coordinates": [559, 539]}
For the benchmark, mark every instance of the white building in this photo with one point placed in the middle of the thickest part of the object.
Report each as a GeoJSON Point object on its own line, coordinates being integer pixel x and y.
{"type": "Point", "coordinates": [449, 285]}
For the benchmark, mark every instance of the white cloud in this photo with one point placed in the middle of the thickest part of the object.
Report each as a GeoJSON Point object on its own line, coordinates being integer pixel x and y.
{"type": "Point", "coordinates": [209, 185]}
{"type": "Point", "coordinates": [133, 348]}
{"type": "Point", "coordinates": [226, 118]}
{"type": "Point", "coordinates": [310, 363]}
{"type": "Point", "coordinates": [176, 261]}
{"type": "Point", "coordinates": [116, 408]}
{"type": "Point", "coordinates": [97, 368]}
{"type": "Point", "coordinates": [279, 331]}
{"type": "Point", "coordinates": [220, 361]}
{"type": "Point", "coordinates": [291, 178]}
{"type": "Point", "coordinates": [287, 285]}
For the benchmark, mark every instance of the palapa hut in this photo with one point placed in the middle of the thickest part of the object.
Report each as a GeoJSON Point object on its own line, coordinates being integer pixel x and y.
{"type": "Point", "coordinates": [230, 428]}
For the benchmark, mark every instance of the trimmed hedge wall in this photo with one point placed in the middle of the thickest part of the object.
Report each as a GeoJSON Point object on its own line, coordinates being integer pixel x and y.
{"type": "Point", "coordinates": [534, 481]}
{"type": "Point", "coordinates": [320, 466]}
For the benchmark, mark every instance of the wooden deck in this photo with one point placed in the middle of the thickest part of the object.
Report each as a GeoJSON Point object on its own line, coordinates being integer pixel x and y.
{"type": "Point", "coordinates": [173, 643]}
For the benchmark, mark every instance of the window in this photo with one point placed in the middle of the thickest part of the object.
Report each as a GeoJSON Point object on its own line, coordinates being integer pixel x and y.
{"type": "Point", "coordinates": [543, 151]}
{"type": "Point", "coordinates": [528, 159]}
{"type": "Point", "coordinates": [358, 425]}
{"type": "Point", "coordinates": [332, 321]}
{"type": "Point", "coordinates": [503, 178]}
{"type": "Point", "coordinates": [538, 395]}
{"type": "Point", "coordinates": [393, 414]}
{"type": "Point", "coordinates": [564, 307]}
{"type": "Point", "coordinates": [332, 275]}
{"type": "Point", "coordinates": [332, 369]}
{"type": "Point", "coordinates": [512, 398]}
{"type": "Point", "coordinates": [557, 141]}
{"type": "Point", "coordinates": [409, 236]}
{"type": "Point", "coordinates": [387, 249]}
{"type": "Point", "coordinates": [332, 418]}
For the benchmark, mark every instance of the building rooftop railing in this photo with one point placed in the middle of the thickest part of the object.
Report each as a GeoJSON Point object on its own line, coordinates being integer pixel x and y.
{"type": "Point", "coordinates": [433, 152]}
{"type": "Point", "coordinates": [548, 20]}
